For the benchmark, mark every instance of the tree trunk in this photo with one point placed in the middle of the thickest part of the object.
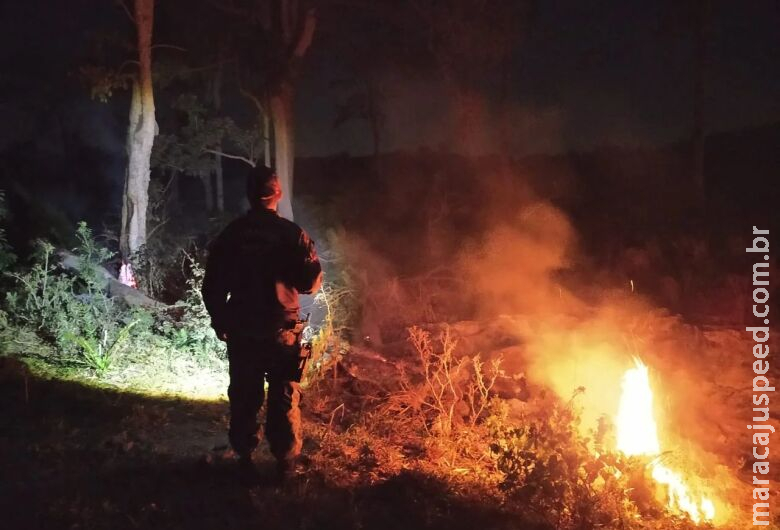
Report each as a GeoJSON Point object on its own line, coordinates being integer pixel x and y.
{"type": "Point", "coordinates": [140, 138]}
{"type": "Point", "coordinates": [296, 29]}
{"type": "Point", "coordinates": [266, 139]}
{"type": "Point", "coordinates": [284, 146]}
{"type": "Point", "coordinates": [127, 205]}
{"type": "Point", "coordinates": [218, 173]}
{"type": "Point", "coordinates": [174, 192]}
{"type": "Point", "coordinates": [220, 186]}
{"type": "Point", "coordinates": [208, 191]}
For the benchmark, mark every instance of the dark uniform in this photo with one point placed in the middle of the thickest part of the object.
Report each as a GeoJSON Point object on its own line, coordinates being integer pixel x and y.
{"type": "Point", "coordinates": [256, 268]}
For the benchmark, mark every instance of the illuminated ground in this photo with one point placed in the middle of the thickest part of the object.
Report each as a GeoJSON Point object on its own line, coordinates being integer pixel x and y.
{"type": "Point", "coordinates": [79, 457]}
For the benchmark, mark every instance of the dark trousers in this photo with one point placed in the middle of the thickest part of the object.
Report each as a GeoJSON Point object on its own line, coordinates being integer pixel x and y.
{"type": "Point", "coordinates": [252, 363]}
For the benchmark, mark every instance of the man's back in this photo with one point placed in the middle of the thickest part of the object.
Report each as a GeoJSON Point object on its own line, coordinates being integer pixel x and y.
{"type": "Point", "coordinates": [256, 268]}
{"type": "Point", "coordinates": [262, 262]}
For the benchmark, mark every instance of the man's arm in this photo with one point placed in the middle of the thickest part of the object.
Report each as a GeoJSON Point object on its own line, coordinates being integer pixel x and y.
{"type": "Point", "coordinates": [215, 287]}
{"type": "Point", "coordinates": [306, 271]}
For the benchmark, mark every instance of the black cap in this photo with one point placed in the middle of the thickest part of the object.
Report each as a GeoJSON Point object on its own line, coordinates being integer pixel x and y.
{"type": "Point", "coordinates": [261, 183]}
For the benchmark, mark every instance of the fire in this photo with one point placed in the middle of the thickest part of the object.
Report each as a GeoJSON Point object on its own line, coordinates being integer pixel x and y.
{"type": "Point", "coordinates": [636, 430]}
{"type": "Point", "coordinates": [637, 434]}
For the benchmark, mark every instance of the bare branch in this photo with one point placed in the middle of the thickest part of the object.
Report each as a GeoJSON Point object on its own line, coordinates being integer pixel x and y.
{"type": "Point", "coordinates": [170, 181]}
{"type": "Point", "coordinates": [307, 34]}
{"type": "Point", "coordinates": [286, 21]}
{"type": "Point", "coordinates": [155, 228]}
{"type": "Point", "coordinates": [249, 161]}
{"type": "Point", "coordinates": [120, 70]}
{"type": "Point", "coordinates": [254, 99]}
{"type": "Point", "coordinates": [126, 9]}
{"type": "Point", "coordinates": [171, 46]}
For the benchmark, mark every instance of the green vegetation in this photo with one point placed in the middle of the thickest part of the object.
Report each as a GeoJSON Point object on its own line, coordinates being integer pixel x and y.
{"type": "Point", "coordinates": [545, 464]}
{"type": "Point", "coordinates": [64, 318]}
{"type": "Point", "coordinates": [59, 314]}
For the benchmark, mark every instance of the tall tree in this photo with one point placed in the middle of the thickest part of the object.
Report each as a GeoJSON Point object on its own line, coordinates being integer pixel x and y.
{"type": "Point", "coordinates": [294, 27]}
{"type": "Point", "coordinates": [361, 85]}
{"type": "Point", "coordinates": [193, 82]}
{"type": "Point", "coordinates": [363, 101]}
{"type": "Point", "coordinates": [140, 137]}
{"type": "Point", "coordinates": [197, 146]}
{"type": "Point", "coordinates": [275, 39]}
{"type": "Point", "coordinates": [218, 172]}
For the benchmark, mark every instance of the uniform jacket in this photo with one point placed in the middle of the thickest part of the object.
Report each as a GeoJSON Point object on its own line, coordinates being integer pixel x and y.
{"type": "Point", "coordinates": [255, 270]}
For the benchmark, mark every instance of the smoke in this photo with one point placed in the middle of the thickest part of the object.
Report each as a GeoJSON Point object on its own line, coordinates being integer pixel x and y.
{"type": "Point", "coordinates": [579, 329]}
{"type": "Point", "coordinates": [513, 266]}
{"type": "Point", "coordinates": [516, 267]}
{"type": "Point", "coordinates": [582, 350]}
{"type": "Point", "coordinates": [544, 242]}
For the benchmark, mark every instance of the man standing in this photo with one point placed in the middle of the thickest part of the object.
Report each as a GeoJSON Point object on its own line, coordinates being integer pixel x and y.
{"type": "Point", "coordinates": [255, 270]}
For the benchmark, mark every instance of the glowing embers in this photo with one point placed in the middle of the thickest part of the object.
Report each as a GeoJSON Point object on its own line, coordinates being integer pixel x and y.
{"type": "Point", "coordinates": [637, 434]}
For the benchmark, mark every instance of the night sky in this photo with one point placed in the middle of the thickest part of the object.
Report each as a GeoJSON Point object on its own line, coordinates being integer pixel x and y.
{"type": "Point", "coordinates": [590, 73]}
{"type": "Point", "coordinates": [586, 74]}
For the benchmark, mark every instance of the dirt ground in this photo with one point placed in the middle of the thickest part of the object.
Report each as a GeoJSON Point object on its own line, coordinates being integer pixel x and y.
{"type": "Point", "coordinates": [78, 457]}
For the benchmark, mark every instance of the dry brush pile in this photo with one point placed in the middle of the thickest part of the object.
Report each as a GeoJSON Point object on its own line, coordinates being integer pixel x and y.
{"type": "Point", "coordinates": [449, 415]}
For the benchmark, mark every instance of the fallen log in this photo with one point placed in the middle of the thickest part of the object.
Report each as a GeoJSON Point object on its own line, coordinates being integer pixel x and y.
{"type": "Point", "coordinates": [116, 289]}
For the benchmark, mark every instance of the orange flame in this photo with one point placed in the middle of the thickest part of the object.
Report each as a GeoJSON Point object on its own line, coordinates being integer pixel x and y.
{"type": "Point", "coordinates": [637, 434]}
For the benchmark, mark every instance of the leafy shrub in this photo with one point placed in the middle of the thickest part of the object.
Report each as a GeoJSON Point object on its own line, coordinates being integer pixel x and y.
{"type": "Point", "coordinates": [99, 352]}
{"type": "Point", "coordinates": [546, 465]}
{"type": "Point", "coordinates": [7, 256]}
{"type": "Point", "coordinates": [41, 293]}
{"type": "Point", "coordinates": [59, 311]}
{"type": "Point", "coordinates": [6, 333]}
{"type": "Point", "coordinates": [192, 331]}
{"type": "Point", "coordinates": [71, 310]}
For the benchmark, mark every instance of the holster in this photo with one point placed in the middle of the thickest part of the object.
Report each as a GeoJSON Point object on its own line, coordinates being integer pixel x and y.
{"type": "Point", "coordinates": [289, 337]}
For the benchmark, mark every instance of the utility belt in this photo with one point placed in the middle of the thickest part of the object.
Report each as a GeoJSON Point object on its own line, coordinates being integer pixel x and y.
{"type": "Point", "coordinates": [291, 336]}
